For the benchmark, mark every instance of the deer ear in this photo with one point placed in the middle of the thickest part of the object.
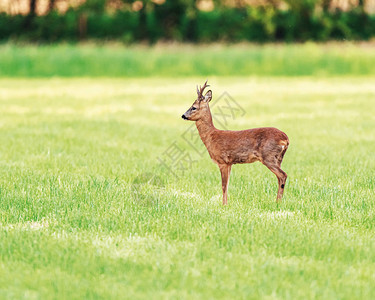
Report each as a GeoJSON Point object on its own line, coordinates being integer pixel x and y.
{"type": "Point", "coordinates": [208, 96]}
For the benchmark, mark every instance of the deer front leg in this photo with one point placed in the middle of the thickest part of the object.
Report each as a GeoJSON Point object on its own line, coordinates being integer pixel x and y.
{"type": "Point", "coordinates": [225, 173]}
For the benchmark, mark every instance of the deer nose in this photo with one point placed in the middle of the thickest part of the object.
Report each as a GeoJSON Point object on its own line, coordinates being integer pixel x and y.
{"type": "Point", "coordinates": [183, 116]}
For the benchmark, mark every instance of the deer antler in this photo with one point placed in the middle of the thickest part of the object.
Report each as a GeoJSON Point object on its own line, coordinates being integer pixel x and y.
{"type": "Point", "coordinates": [201, 89]}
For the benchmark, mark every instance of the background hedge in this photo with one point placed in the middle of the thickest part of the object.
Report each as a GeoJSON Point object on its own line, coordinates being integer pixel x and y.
{"type": "Point", "coordinates": [259, 24]}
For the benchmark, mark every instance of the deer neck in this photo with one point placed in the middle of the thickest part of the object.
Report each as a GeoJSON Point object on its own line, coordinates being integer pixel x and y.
{"type": "Point", "coordinates": [205, 127]}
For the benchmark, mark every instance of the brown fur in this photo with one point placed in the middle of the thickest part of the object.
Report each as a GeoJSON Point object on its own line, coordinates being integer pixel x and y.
{"type": "Point", "coordinates": [267, 145]}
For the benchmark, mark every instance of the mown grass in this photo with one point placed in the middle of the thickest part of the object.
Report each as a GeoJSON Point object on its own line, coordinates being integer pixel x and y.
{"type": "Point", "coordinates": [184, 60]}
{"type": "Point", "coordinates": [80, 218]}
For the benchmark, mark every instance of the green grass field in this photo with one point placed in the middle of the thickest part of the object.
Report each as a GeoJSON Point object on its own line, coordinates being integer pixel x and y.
{"type": "Point", "coordinates": [88, 212]}
{"type": "Point", "coordinates": [77, 219]}
{"type": "Point", "coordinates": [168, 61]}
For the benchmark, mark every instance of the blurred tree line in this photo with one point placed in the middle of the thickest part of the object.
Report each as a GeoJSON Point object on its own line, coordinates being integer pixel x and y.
{"type": "Point", "coordinates": [189, 20]}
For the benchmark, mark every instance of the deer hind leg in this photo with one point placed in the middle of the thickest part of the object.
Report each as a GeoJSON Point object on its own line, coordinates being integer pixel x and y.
{"type": "Point", "coordinates": [274, 167]}
{"type": "Point", "coordinates": [281, 177]}
{"type": "Point", "coordinates": [225, 173]}
{"type": "Point", "coordinates": [274, 164]}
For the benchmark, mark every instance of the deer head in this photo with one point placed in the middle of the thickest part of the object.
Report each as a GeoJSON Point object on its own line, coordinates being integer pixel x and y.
{"type": "Point", "coordinates": [200, 105]}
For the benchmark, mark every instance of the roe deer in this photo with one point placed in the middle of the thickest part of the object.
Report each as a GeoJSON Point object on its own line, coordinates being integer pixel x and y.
{"type": "Point", "coordinates": [267, 145]}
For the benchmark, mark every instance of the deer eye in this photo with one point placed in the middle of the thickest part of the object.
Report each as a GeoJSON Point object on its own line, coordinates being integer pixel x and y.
{"type": "Point", "coordinates": [193, 108]}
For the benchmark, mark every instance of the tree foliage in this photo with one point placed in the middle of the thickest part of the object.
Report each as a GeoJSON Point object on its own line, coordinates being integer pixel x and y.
{"type": "Point", "coordinates": [181, 20]}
